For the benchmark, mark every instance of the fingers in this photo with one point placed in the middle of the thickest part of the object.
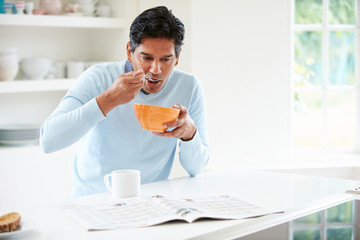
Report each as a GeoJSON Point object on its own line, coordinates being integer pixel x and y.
{"type": "Point", "coordinates": [180, 107]}
{"type": "Point", "coordinates": [176, 133]}
{"type": "Point", "coordinates": [175, 124]}
{"type": "Point", "coordinates": [139, 76]}
{"type": "Point", "coordinates": [133, 80]}
{"type": "Point", "coordinates": [184, 126]}
{"type": "Point", "coordinates": [134, 77]}
{"type": "Point", "coordinates": [178, 125]}
{"type": "Point", "coordinates": [137, 73]}
{"type": "Point", "coordinates": [181, 119]}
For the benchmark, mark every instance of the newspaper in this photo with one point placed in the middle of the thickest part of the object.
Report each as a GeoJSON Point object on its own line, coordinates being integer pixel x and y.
{"type": "Point", "coordinates": [157, 209]}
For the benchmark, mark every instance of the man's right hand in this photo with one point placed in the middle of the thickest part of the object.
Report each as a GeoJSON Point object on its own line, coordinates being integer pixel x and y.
{"type": "Point", "coordinates": [123, 90]}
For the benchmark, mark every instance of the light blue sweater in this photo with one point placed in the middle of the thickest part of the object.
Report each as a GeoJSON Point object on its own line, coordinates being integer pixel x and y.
{"type": "Point", "coordinates": [117, 141]}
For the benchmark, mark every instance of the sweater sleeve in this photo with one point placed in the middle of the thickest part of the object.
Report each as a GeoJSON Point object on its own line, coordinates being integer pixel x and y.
{"type": "Point", "coordinates": [75, 115]}
{"type": "Point", "coordinates": [194, 154]}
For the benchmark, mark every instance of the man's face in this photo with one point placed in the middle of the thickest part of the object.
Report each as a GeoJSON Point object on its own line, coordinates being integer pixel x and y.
{"type": "Point", "coordinates": [156, 57]}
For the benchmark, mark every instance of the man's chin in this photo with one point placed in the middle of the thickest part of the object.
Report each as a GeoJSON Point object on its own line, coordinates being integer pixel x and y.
{"type": "Point", "coordinates": [151, 90]}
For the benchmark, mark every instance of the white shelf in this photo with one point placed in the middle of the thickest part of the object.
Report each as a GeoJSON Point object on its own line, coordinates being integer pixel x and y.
{"type": "Point", "coordinates": [19, 86]}
{"type": "Point", "coordinates": [61, 21]}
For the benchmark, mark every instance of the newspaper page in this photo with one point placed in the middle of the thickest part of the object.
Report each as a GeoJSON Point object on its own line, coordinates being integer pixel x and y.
{"type": "Point", "coordinates": [216, 207]}
{"type": "Point", "coordinates": [157, 209]}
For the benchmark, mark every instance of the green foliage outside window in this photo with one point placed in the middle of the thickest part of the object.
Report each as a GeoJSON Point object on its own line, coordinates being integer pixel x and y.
{"type": "Point", "coordinates": [308, 58]}
{"type": "Point", "coordinates": [311, 12]}
{"type": "Point", "coordinates": [342, 12]}
{"type": "Point", "coordinates": [307, 234]}
{"type": "Point", "coordinates": [310, 219]}
{"type": "Point", "coordinates": [342, 213]}
{"type": "Point", "coordinates": [308, 11]}
{"type": "Point", "coordinates": [339, 233]}
{"type": "Point", "coordinates": [342, 58]}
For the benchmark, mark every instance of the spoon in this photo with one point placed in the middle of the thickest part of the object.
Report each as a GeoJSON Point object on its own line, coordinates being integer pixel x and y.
{"type": "Point", "coordinates": [147, 77]}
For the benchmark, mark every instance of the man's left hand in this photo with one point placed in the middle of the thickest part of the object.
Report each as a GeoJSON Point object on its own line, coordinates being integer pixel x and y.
{"type": "Point", "coordinates": [184, 126]}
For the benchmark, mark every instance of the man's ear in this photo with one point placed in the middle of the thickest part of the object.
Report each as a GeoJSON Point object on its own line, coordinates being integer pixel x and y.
{"type": "Point", "coordinates": [128, 51]}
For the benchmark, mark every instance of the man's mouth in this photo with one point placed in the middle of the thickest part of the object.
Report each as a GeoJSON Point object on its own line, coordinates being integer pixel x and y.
{"type": "Point", "coordinates": [151, 80]}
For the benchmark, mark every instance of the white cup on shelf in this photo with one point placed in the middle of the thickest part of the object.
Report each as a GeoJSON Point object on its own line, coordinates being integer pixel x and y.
{"type": "Point", "coordinates": [29, 7]}
{"type": "Point", "coordinates": [60, 70]}
{"type": "Point", "coordinates": [9, 64]}
{"type": "Point", "coordinates": [103, 11]}
{"type": "Point", "coordinates": [74, 69]}
{"type": "Point", "coordinates": [87, 9]}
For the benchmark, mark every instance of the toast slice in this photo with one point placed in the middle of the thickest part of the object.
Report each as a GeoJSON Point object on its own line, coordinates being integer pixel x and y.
{"type": "Point", "coordinates": [9, 222]}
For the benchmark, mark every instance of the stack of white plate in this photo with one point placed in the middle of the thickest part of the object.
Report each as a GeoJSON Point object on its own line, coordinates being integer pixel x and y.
{"type": "Point", "coordinates": [16, 135]}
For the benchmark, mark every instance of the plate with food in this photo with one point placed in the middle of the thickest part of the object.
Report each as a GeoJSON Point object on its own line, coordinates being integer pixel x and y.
{"type": "Point", "coordinates": [11, 224]}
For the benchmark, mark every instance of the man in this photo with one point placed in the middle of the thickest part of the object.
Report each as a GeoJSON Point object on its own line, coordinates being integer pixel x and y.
{"type": "Point", "coordinates": [99, 110]}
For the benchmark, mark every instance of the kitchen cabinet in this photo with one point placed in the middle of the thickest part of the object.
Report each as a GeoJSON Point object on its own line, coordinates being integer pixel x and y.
{"type": "Point", "coordinates": [59, 38]}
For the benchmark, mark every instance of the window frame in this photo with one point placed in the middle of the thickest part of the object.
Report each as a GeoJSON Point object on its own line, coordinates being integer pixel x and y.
{"type": "Point", "coordinates": [323, 225]}
{"type": "Point", "coordinates": [325, 29]}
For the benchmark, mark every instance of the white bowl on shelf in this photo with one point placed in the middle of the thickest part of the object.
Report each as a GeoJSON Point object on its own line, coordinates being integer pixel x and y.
{"type": "Point", "coordinates": [35, 68]}
{"type": "Point", "coordinates": [9, 64]}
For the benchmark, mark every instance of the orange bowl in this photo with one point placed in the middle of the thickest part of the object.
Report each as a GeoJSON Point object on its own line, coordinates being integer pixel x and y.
{"type": "Point", "coordinates": [152, 117]}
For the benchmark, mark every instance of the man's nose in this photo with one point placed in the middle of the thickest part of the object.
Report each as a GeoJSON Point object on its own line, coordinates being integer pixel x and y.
{"type": "Point", "coordinates": [155, 67]}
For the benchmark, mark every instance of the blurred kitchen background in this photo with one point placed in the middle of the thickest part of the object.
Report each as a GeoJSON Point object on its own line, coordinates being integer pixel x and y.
{"type": "Point", "coordinates": [281, 79]}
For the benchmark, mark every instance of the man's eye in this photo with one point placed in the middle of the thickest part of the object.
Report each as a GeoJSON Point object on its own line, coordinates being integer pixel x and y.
{"type": "Point", "coordinates": [147, 58]}
{"type": "Point", "coordinates": [166, 59]}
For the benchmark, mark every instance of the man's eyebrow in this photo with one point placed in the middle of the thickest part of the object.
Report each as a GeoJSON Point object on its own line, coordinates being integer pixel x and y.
{"type": "Point", "coordinates": [167, 56]}
{"type": "Point", "coordinates": [148, 54]}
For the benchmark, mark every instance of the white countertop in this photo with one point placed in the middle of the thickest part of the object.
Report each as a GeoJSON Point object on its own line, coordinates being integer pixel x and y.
{"type": "Point", "coordinates": [297, 195]}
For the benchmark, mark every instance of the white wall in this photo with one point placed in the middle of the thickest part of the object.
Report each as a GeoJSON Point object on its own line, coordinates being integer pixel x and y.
{"type": "Point", "coordinates": [240, 52]}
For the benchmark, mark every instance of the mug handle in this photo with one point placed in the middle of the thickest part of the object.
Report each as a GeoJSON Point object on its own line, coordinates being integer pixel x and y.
{"type": "Point", "coordinates": [106, 181]}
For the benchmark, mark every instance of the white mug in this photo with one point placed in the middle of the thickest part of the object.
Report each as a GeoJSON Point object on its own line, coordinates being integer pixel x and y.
{"type": "Point", "coordinates": [103, 11]}
{"type": "Point", "coordinates": [29, 7]}
{"type": "Point", "coordinates": [60, 70]}
{"type": "Point", "coordinates": [124, 183]}
{"type": "Point", "coordinates": [87, 9]}
{"type": "Point", "coordinates": [74, 69]}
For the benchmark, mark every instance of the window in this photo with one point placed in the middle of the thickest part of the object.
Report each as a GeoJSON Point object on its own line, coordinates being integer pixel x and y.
{"type": "Point", "coordinates": [325, 75]}
{"type": "Point", "coordinates": [339, 222]}
{"type": "Point", "coordinates": [326, 99]}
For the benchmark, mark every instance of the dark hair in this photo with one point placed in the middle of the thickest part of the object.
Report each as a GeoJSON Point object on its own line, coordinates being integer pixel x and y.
{"type": "Point", "coordinates": [158, 22]}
